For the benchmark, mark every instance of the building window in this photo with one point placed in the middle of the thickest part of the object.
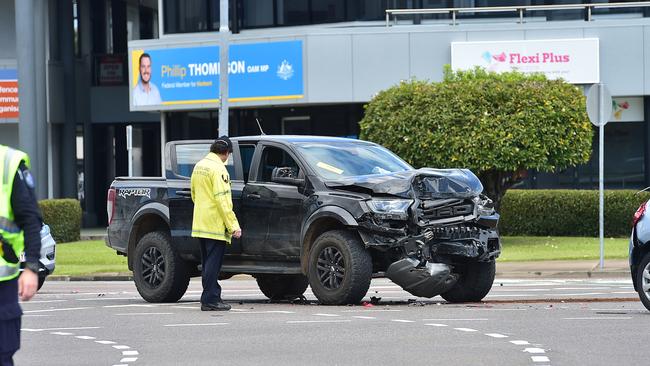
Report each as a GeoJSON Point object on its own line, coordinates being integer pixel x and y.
{"type": "Point", "coordinates": [191, 16]}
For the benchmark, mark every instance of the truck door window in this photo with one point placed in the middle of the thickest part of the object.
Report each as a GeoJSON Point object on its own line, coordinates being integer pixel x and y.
{"type": "Point", "coordinates": [188, 155]}
{"type": "Point", "coordinates": [273, 157]}
{"type": "Point", "coordinates": [246, 152]}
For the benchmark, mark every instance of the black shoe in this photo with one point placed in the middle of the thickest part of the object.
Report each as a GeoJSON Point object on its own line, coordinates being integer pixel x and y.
{"type": "Point", "coordinates": [220, 306]}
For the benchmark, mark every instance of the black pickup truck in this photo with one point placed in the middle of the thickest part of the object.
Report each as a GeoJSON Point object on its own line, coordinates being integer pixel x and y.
{"type": "Point", "coordinates": [320, 211]}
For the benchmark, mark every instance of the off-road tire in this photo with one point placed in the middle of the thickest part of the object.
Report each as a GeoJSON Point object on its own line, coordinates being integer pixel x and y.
{"type": "Point", "coordinates": [351, 264]}
{"type": "Point", "coordinates": [168, 281]}
{"type": "Point", "coordinates": [644, 270]}
{"type": "Point", "coordinates": [474, 283]}
{"type": "Point", "coordinates": [282, 287]}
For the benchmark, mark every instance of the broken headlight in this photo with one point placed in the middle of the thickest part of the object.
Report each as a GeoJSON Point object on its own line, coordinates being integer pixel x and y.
{"type": "Point", "coordinates": [395, 209]}
{"type": "Point", "coordinates": [484, 205]}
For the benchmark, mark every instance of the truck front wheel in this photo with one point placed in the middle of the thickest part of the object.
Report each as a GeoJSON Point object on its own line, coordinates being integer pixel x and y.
{"type": "Point", "coordinates": [340, 268]}
{"type": "Point", "coordinates": [282, 287]}
{"type": "Point", "coordinates": [159, 273]}
{"type": "Point", "coordinates": [474, 283]}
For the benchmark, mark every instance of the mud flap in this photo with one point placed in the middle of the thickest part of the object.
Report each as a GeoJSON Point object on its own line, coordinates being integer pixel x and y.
{"type": "Point", "coordinates": [426, 281]}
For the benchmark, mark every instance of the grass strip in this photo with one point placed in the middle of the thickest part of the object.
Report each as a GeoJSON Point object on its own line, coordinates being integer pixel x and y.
{"type": "Point", "coordinates": [552, 248]}
{"type": "Point", "coordinates": [94, 257]}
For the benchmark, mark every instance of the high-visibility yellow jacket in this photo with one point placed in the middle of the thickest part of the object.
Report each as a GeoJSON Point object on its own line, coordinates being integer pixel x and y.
{"type": "Point", "coordinates": [214, 217]}
{"type": "Point", "coordinates": [9, 162]}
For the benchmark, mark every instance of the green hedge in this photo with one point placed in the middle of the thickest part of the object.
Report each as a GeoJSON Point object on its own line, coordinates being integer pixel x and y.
{"type": "Point", "coordinates": [567, 212]}
{"type": "Point", "coordinates": [64, 218]}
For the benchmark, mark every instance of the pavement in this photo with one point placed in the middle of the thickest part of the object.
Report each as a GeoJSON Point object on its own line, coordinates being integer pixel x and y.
{"type": "Point", "coordinates": [576, 269]}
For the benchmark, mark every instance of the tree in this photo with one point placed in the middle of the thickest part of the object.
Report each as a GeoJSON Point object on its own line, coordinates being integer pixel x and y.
{"type": "Point", "coordinates": [497, 125]}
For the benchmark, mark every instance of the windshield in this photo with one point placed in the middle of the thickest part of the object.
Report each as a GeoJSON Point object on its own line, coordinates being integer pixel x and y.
{"type": "Point", "coordinates": [349, 159]}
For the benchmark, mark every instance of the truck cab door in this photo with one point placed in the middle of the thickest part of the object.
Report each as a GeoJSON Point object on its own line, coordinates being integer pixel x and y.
{"type": "Point", "coordinates": [273, 211]}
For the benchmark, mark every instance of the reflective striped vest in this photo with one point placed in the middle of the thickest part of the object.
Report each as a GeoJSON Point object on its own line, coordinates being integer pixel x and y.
{"type": "Point", "coordinates": [13, 236]}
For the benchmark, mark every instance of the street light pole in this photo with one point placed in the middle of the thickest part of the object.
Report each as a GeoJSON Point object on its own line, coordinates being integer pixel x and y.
{"type": "Point", "coordinates": [224, 32]}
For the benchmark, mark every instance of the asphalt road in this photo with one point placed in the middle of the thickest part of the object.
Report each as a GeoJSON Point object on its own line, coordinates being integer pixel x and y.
{"type": "Point", "coordinates": [522, 322]}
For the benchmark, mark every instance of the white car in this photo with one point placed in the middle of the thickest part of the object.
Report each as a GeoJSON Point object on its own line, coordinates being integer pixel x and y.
{"type": "Point", "coordinates": [48, 256]}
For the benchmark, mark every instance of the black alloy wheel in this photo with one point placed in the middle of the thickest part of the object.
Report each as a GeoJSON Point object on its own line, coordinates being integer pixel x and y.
{"type": "Point", "coordinates": [153, 267]}
{"type": "Point", "coordinates": [331, 268]}
{"type": "Point", "coordinates": [159, 273]}
{"type": "Point", "coordinates": [340, 268]}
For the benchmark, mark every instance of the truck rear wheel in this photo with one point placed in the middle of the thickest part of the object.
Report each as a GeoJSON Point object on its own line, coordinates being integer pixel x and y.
{"type": "Point", "coordinates": [282, 287]}
{"type": "Point", "coordinates": [340, 268]}
{"type": "Point", "coordinates": [159, 273]}
{"type": "Point", "coordinates": [474, 283]}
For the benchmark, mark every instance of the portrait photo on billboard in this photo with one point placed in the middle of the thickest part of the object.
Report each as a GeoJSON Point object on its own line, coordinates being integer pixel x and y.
{"type": "Point", "coordinates": [145, 92]}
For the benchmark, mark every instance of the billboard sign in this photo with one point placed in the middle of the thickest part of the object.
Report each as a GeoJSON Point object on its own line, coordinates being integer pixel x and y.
{"type": "Point", "coordinates": [9, 94]}
{"type": "Point", "coordinates": [574, 60]}
{"type": "Point", "coordinates": [188, 77]}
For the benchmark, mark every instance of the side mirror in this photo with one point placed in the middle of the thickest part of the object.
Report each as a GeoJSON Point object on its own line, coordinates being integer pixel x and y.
{"type": "Point", "coordinates": [286, 175]}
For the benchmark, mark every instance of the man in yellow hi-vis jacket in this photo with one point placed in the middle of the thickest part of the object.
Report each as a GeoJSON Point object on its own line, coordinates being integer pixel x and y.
{"type": "Point", "coordinates": [214, 221]}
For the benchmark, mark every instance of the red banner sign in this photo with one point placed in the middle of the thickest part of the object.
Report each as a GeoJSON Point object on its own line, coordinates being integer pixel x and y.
{"type": "Point", "coordinates": [8, 98]}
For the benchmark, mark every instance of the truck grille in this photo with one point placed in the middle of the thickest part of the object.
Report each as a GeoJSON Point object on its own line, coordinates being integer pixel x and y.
{"type": "Point", "coordinates": [454, 232]}
{"type": "Point", "coordinates": [444, 208]}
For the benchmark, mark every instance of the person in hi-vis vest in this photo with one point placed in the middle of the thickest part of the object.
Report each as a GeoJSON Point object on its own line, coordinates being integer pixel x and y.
{"type": "Point", "coordinates": [214, 221]}
{"type": "Point", "coordinates": [20, 226]}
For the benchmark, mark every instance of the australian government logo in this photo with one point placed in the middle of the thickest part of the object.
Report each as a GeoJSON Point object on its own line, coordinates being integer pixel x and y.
{"type": "Point", "coordinates": [285, 70]}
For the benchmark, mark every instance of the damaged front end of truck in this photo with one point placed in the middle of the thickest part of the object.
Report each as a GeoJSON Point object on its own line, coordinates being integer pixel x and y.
{"type": "Point", "coordinates": [428, 227]}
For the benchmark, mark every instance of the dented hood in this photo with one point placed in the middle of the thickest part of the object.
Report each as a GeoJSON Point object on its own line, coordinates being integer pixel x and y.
{"type": "Point", "coordinates": [434, 183]}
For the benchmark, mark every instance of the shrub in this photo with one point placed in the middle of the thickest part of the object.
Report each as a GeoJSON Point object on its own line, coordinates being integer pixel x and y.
{"type": "Point", "coordinates": [567, 212]}
{"type": "Point", "coordinates": [64, 218]}
{"type": "Point", "coordinates": [497, 125]}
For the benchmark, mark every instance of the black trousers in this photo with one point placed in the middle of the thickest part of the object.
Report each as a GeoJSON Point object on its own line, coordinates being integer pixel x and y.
{"type": "Point", "coordinates": [9, 321]}
{"type": "Point", "coordinates": [212, 252]}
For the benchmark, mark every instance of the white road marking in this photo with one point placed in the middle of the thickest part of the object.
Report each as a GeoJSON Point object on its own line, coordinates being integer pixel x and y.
{"type": "Point", "coordinates": [105, 342]}
{"type": "Point", "coordinates": [121, 347]}
{"type": "Point", "coordinates": [540, 359]}
{"type": "Point", "coordinates": [317, 321]}
{"type": "Point", "coordinates": [62, 333]}
{"type": "Point", "coordinates": [534, 350]}
{"type": "Point", "coordinates": [364, 317]}
{"type": "Point", "coordinates": [520, 343]}
{"type": "Point", "coordinates": [601, 318]}
{"type": "Point", "coordinates": [109, 298]}
{"type": "Point", "coordinates": [41, 302]}
{"type": "Point", "coordinates": [49, 310]}
{"type": "Point", "coordinates": [510, 295]}
{"type": "Point", "coordinates": [402, 321]}
{"type": "Point", "coordinates": [122, 364]}
{"type": "Point", "coordinates": [437, 325]}
{"type": "Point", "coordinates": [129, 306]}
{"type": "Point", "coordinates": [186, 307]}
{"type": "Point", "coordinates": [85, 337]}
{"type": "Point", "coordinates": [624, 292]}
{"type": "Point", "coordinates": [369, 310]}
{"type": "Point", "coordinates": [466, 329]}
{"type": "Point", "coordinates": [496, 335]}
{"type": "Point", "coordinates": [48, 329]}
{"type": "Point", "coordinates": [321, 314]}
{"type": "Point", "coordinates": [454, 319]}
{"type": "Point", "coordinates": [194, 325]}
{"type": "Point", "coordinates": [129, 353]}
{"type": "Point", "coordinates": [266, 312]}
{"type": "Point", "coordinates": [126, 314]}
{"type": "Point", "coordinates": [489, 309]}
{"type": "Point", "coordinates": [129, 359]}
{"type": "Point", "coordinates": [578, 294]}
{"type": "Point", "coordinates": [35, 315]}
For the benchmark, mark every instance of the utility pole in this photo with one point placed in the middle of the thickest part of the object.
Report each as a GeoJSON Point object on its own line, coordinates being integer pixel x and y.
{"type": "Point", "coordinates": [224, 32]}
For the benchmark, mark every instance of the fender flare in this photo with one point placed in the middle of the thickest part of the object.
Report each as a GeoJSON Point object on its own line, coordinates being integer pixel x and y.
{"type": "Point", "coordinates": [152, 208]}
{"type": "Point", "coordinates": [333, 212]}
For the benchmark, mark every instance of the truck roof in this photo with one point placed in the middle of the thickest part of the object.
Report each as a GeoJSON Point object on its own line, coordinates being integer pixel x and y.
{"type": "Point", "coordinates": [298, 138]}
